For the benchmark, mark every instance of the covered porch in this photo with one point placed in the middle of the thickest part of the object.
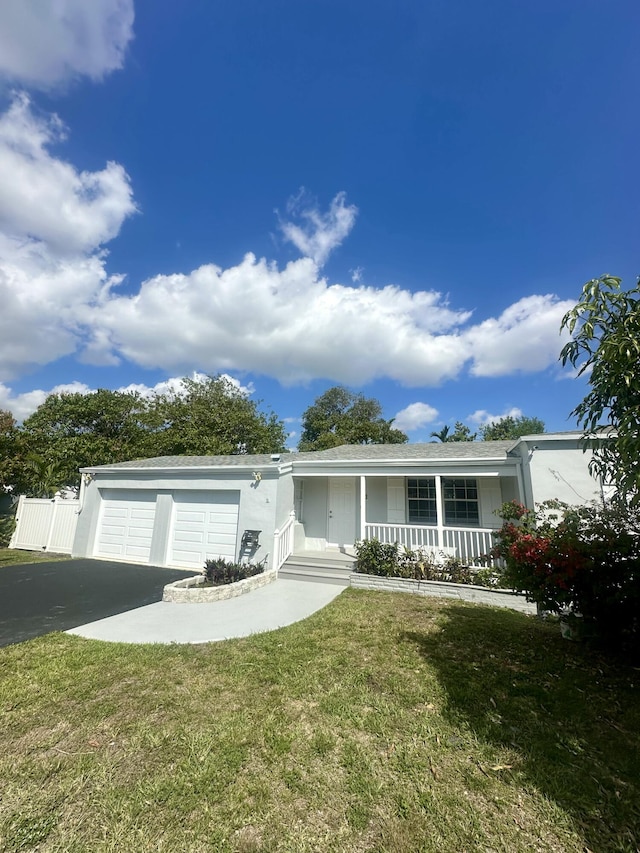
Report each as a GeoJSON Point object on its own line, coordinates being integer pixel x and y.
{"type": "Point", "coordinates": [453, 513]}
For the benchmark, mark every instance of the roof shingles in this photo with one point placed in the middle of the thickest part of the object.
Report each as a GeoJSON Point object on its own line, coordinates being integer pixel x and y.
{"type": "Point", "coordinates": [344, 453]}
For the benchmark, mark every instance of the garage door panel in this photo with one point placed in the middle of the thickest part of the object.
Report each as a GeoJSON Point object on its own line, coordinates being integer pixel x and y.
{"type": "Point", "coordinates": [185, 516]}
{"type": "Point", "coordinates": [226, 543]}
{"type": "Point", "coordinates": [194, 536]}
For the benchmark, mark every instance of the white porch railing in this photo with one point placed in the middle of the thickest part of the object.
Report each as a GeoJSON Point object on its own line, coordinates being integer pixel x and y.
{"type": "Point", "coordinates": [283, 541]}
{"type": "Point", "coordinates": [44, 524]}
{"type": "Point", "coordinates": [467, 543]}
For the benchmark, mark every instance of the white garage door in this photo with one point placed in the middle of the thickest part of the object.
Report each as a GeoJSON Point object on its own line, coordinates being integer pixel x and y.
{"type": "Point", "coordinates": [205, 524]}
{"type": "Point", "coordinates": [126, 525]}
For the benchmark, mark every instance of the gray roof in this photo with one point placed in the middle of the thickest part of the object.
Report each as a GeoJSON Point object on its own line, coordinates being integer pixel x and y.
{"type": "Point", "coordinates": [245, 460]}
{"type": "Point", "coordinates": [345, 453]}
{"type": "Point", "coordinates": [410, 452]}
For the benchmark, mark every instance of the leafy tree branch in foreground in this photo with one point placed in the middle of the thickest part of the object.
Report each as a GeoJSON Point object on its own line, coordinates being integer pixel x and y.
{"type": "Point", "coordinates": [605, 346]}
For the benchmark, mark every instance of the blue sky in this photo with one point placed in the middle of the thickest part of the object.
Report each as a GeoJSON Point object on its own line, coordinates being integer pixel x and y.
{"type": "Point", "coordinates": [401, 197]}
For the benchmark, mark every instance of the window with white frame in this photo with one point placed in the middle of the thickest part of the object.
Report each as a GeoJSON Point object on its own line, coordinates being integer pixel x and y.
{"type": "Point", "coordinates": [460, 498]}
{"type": "Point", "coordinates": [421, 500]}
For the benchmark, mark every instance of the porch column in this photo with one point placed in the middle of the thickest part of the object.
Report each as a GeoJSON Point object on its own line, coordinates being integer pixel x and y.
{"type": "Point", "coordinates": [439, 511]}
{"type": "Point", "coordinates": [363, 507]}
{"type": "Point", "coordinates": [521, 489]}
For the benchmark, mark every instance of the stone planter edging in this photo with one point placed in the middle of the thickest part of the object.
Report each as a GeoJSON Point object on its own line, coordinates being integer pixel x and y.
{"type": "Point", "coordinates": [191, 591]}
{"type": "Point", "coordinates": [443, 589]}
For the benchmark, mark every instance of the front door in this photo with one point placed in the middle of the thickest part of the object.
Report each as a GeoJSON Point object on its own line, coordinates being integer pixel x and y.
{"type": "Point", "coordinates": [341, 524]}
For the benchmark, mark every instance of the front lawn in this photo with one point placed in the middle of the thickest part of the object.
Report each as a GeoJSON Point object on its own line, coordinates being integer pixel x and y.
{"type": "Point", "coordinates": [385, 722]}
{"type": "Point", "coordinates": [12, 556]}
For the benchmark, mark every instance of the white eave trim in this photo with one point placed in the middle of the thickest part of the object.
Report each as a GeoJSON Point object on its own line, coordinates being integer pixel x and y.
{"type": "Point", "coordinates": [396, 463]}
{"type": "Point", "coordinates": [182, 469]}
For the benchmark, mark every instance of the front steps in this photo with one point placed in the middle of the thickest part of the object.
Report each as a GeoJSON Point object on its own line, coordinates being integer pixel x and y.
{"type": "Point", "coordinates": [318, 566]}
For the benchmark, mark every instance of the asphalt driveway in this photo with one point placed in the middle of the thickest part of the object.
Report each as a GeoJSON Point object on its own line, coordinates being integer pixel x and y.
{"type": "Point", "coordinates": [36, 598]}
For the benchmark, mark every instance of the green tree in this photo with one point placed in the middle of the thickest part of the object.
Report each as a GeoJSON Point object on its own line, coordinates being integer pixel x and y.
{"type": "Point", "coordinates": [340, 416]}
{"type": "Point", "coordinates": [70, 431]}
{"type": "Point", "coordinates": [46, 478]}
{"type": "Point", "coordinates": [8, 434]}
{"type": "Point", "coordinates": [208, 417]}
{"type": "Point", "coordinates": [605, 346]}
{"type": "Point", "coordinates": [442, 434]}
{"type": "Point", "coordinates": [462, 433]}
{"type": "Point", "coordinates": [211, 417]}
{"type": "Point", "coordinates": [511, 428]}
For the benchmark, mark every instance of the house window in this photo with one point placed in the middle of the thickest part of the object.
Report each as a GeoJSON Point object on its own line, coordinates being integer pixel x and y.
{"type": "Point", "coordinates": [421, 499]}
{"type": "Point", "coordinates": [460, 499]}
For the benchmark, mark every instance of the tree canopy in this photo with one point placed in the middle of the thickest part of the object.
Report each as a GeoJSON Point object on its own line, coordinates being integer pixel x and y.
{"type": "Point", "coordinates": [460, 433]}
{"type": "Point", "coordinates": [511, 428]}
{"type": "Point", "coordinates": [605, 346]}
{"type": "Point", "coordinates": [7, 441]}
{"type": "Point", "coordinates": [340, 416]}
{"type": "Point", "coordinates": [212, 417]}
{"type": "Point", "coordinates": [73, 430]}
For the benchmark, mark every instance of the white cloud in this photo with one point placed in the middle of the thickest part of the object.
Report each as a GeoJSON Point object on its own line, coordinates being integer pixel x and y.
{"type": "Point", "coordinates": [415, 416]}
{"type": "Point", "coordinates": [43, 299]}
{"type": "Point", "coordinates": [483, 417]}
{"type": "Point", "coordinates": [47, 43]}
{"type": "Point", "coordinates": [293, 325]}
{"type": "Point", "coordinates": [524, 338]}
{"type": "Point", "coordinates": [53, 222]}
{"type": "Point", "coordinates": [289, 324]}
{"type": "Point", "coordinates": [44, 198]}
{"type": "Point", "coordinates": [320, 233]}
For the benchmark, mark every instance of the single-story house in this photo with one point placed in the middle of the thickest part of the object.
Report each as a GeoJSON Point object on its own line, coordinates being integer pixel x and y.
{"type": "Point", "coordinates": [181, 510]}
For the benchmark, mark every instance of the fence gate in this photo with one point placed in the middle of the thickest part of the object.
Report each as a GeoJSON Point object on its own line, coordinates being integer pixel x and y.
{"type": "Point", "coordinates": [44, 524]}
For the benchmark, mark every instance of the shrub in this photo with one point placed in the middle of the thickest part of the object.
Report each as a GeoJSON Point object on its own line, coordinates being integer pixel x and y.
{"type": "Point", "coordinates": [7, 526]}
{"type": "Point", "coordinates": [583, 559]}
{"type": "Point", "coordinates": [218, 572]}
{"type": "Point", "coordinates": [389, 560]}
{"type": "Point", "coordinates": [377, 558]}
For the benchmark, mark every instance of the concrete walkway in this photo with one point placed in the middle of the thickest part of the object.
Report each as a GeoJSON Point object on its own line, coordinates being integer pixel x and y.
{"type": "Point", "coordinates": [280, 603]}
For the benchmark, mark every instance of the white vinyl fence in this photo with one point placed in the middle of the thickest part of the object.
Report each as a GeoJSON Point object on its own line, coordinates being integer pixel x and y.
{"type": "Point", "coordinates": [44, 524]}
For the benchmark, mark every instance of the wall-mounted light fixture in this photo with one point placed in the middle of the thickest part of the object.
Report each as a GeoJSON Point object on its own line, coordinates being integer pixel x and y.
{"type": "Point", "coordinates": [87, 478]}
{"type": "Point", "coordinates": [257, 476]}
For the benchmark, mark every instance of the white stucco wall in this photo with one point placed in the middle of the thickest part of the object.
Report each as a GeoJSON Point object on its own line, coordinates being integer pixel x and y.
{"type": "Point", "coordinates": [557, 470]}
{"type": "Point", "coordinates": [257, 507]}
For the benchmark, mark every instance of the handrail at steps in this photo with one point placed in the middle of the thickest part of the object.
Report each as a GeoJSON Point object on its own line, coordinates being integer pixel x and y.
{"type": "Point", "coordinates": [283, 541]}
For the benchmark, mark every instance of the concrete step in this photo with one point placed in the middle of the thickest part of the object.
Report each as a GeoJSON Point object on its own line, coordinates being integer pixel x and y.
{"type": "Point", "coordinates": [317, 569]}
{"type": "Point", "coordinates": [333, 559]}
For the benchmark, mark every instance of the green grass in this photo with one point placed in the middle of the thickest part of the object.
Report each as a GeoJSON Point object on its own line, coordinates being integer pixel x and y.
{"type": "Point", "coordinates": [12, 556]}
{"type": "Point", "coordinates": [383, 723]}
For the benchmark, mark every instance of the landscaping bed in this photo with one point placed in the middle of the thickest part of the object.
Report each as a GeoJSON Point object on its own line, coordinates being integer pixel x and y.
{"type": "Point", "coordinates": [195, 590]}
{"type": "Point", "coordinates": [443, 589]}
